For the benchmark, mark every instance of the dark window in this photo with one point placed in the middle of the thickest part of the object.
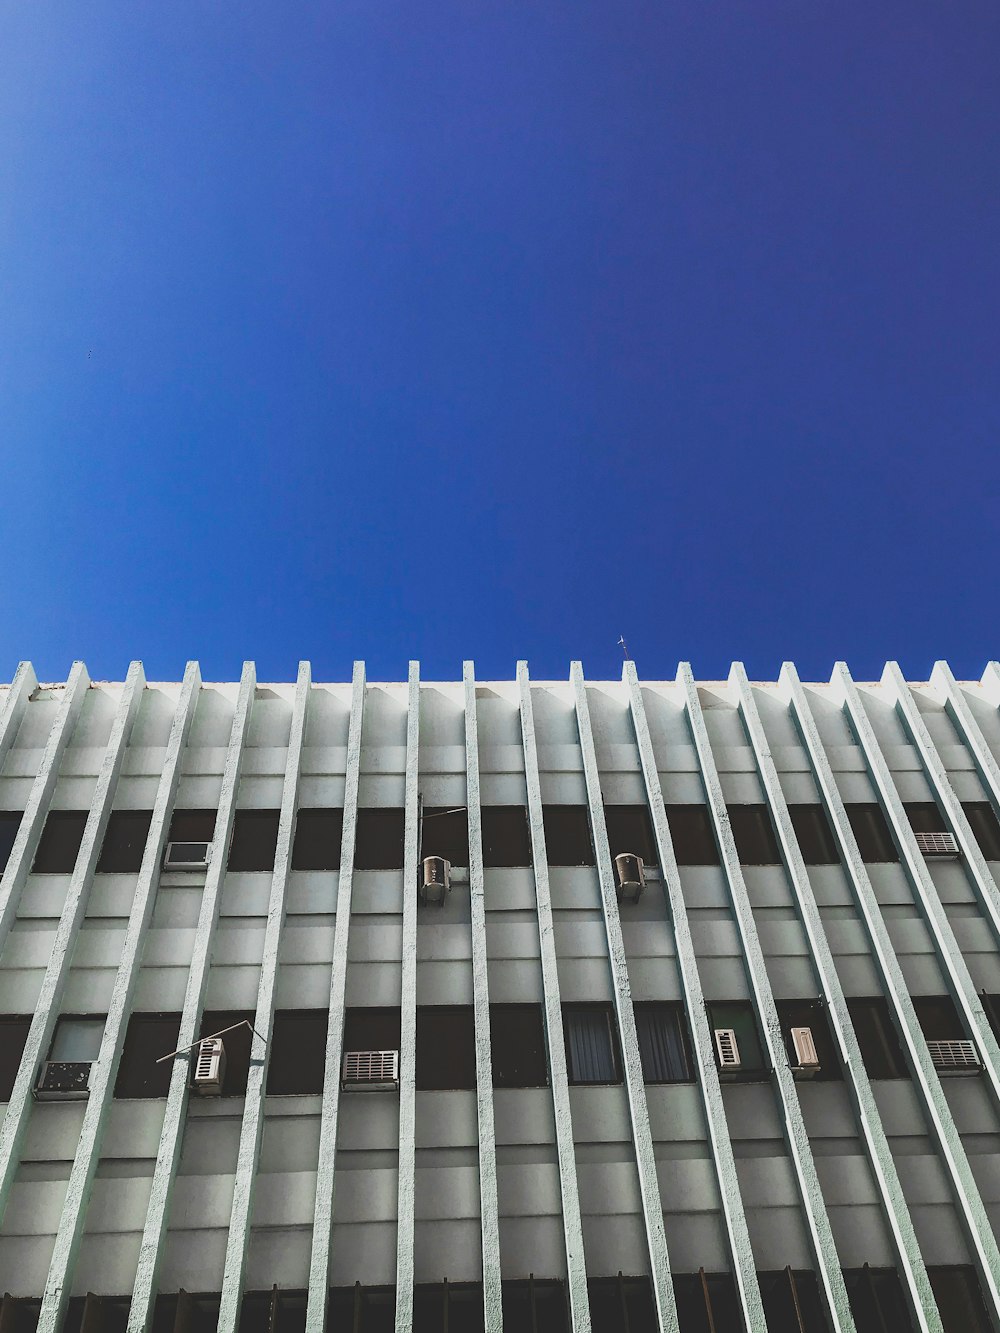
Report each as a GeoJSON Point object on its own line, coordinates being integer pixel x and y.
{"type": "Point", "coordinates": [237, 1045]}
{"type": "Point", "coordinates": [506, 841]}
{"type": "Point", "coordinates": [663, 1043]}
{"type": "Point", "coordinates": [925, 817]}
{"type": "Point", "coordinates": [362, 1310]}
{"type": "Point", "coordinates": [991, 1006]}
{"type": "Point", "coordinates": [692, 835]}
{"type": "Point", "coordinates": [148, 1037]}
{"type": "Point", "coordinates": [591, 1043]}
{"type": "Point", "coordinates": [754, 835]}
{"type": "Point", "coordinates": [379, 840]}
{"type": "Point", "coordinates": [792, 1302]}
{"type": "Point", "coordinates": [318, 835]}
{"type": "Point", "coordinates": [274, 1311]}
{"type": "Point", "coordinates": [453, 1306]}
{"type": "Point", "coordinates": [13, 1035]}
{"type": "Point", "coordinates": [103, 1314]}
{"type": "Point", "coordinates": [10, 822]}
{"type": "Point", "coordinates": [445, 832]}
{"type": "Point", "coordinates": [877, 1300]}
{"type": "Point", "coordinates": [77, 1038]}
{"type": "Point", "coordinates": [985, 826]}
{"type": "Point", "coordinates": [298, 1052]}
{"type": "Point", "coordinates": [517, 1042]}
{"type": "Point", "coordinates": [876, 1034]}
{"type": "Point", "coordinates": [938, 1018]}
{"type": "Point", "coordinates": [192, 826]}
{"type": "Point", "coordinates": [739, 1016]}
{"type": "Point", "coordinates": [124, 842]}
{"type": "Point", "coordinates": [618, 1303]}
{"type": "Point", "coordinates": [707, 1302]}
{"type": "Point", "coordinates": [959, 1300]}
{"type": "Point", "coordinates": [446, 1047]}
{"type": "Point", "coordinates": [809, 1014]}
{"type": "Point", "coordinates": [872, 832]}
{"type": "Point", "coordinates": [630, 830]}
{"type": "Point", "coordinates": [182, 1312]}
{"type": "Point", "coordinates": [60, 842]}
{"type": "Point", "coordinates": [814, 834]}
{"type": "Point", "coordinates": [20, 1314]}
{"type": "Point", "coordinates": [371, 1029]}
{"type": "Point", "coordinates": [531, 1304]}
{"type": "Point", "coordinates": [567, 835]}
{"type": "Point", "coordinates": [255, 837]}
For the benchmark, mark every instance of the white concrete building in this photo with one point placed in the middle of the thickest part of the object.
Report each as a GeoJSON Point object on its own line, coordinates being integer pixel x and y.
{"type": "Point", "coordinates": [467, 1071]}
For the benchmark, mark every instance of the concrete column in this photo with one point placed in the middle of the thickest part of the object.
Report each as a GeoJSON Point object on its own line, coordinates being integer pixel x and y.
{"type": "Point", "coordinates": [319, 1264]}
{"type": "Point", "coordinates": [489, 1206]}
{"type": "Point", "coordinates": [406, 1196]}
{"type": "Point", "coordinates": [916, 1283]}
{"type": "Point", "coordinates": [635, 1088]}
{"type": "Point", "coordinates": [54, 982]}
{"type": "Point", "coordinates": [734, 1215]}
{"type": "Point", "coordinates": [576, 1267]}
{"type": "Point", "coordinates": [15, 703]}
{"type": "Point", "coordinates": [828, 1270]}
{"type": "Point", "coordinates": [970, 1207]}
{"type": "Point", "coordinates": [252, 1128]}
{"type": "Point", "coordinates": [171, 1136]}
{"type": "Point", "coordinates": [104, 1072]}
{"type": "Point", "coordinates": [950, 693]}
{"type": "Point", "coordinates": [30, 830]}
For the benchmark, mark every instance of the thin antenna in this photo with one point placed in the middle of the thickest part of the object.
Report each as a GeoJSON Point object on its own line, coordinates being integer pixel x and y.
{"type": "Point", "coordinates": [624, 647]}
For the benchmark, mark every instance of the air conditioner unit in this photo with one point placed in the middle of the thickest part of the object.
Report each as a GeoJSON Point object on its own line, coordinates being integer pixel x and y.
{"type": "Point", "coordinates": [436, 880]}
{"type": "Point", "coordinates": [728, 1049]}
{"type": "Point", "coordinates": [806, 1055]}
{"type": "Point", "coordinates": [954, 1057]}
{"type": "Point", "coordinates": [63, 1081]}
{"type": "Point", "coordinates": [370, 1071]}
{"type": "Point", "coordinates": [210, 1067]}
{"type": "Point", "coordinates": [631, 877]}
{"type": "Point", "coordinates": [187, 855]}
{"type": "Point", "coordinates": [941, 845]}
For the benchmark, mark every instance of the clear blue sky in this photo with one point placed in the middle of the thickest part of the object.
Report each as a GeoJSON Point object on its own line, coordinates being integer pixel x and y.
{"type": "Point", "coordinates": [460, 329]}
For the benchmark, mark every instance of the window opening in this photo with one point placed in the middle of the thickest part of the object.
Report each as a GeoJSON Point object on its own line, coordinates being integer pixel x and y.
{"type": "Point", "coordinates": [567, 835]}
{"type": "Point", "coordinates": [379, 839]}
{"type": "Point", "coordinates": [318, 836]}
{"type": "Point", "coordinates": [814, 835]}
{"type": "Point", "coordinates": [693, 836]}
{"type": "Point", "coordinates": [591, 1044]}
{"type": "Point", "coordinates": [663, 1043]}
{"type": "Point", "coordinates": [985, 827]}
{"type": "Point", "coordinates": [141, 1072]}
{"type": "Point", "coordinates": [124, 842]}
{"type": "Point", "coordinates": [737, 1016]}
{"type": "Point", "coordinates": [809, 1014]}
{"type": "Point", "coordinates": [506, 841]}
{"type": "Point", "coordinates": [871, 832]}
{"type": "Point", "coordinates": [192, 826]}
{"type": "Point", "coordinates": [255, 840]}
{"type": "Point", "coordinates": [444, 832]}
{"type": "Point", "coordinates": [517, 1045]}
{"type": "Point", "coordinates": [876, 1033]}
{"type": "Point", "coordinates": [59, 844]}
{"type": "Point", "coordinates": [631, 830]}
{"type": "Point", "coordinates": [10, 822]}
{"type": "Point", "coordinates": [13, 1035]}
{"type": "Point", "coordinates": [297, 1063]}
{"type": "Point", "coordinates": [446, 1047]}
{"type": "Point", "coordinates": [753, 833]}
{"type": "Point", "coordinates": [925, 817]}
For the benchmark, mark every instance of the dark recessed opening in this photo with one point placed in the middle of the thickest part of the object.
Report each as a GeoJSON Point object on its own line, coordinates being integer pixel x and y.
{"type": "Point", "coordinates": [318, 835]}
{"type": "Point", "coordinates": [446, 1047]}
{"type": "Point", "coordinates": [753, 833]}
{"type": "Point", "coordinates": [192, 826]}
{"type": "Point", "coordinates": [631, 830]}
{"type": "Point", "coordinates": [124, 842]}
{"type": "Point", "coordinates": [567, 835]}
{"type": "Point", "coordinates": [147, 1038]}
{"type": "Point", "coordinates": [379, 839]}
{"type": "Point", "coordinates": [814, 834]}
{"type": "Point", "coordinates": [877, 1037]}
{"type": "Point", "coordinates": [692, 835]}
{"type": "Point", "coordinates": [506, 841]}
{"type": "Point", "coordinates": [255, 838]}
{"type": "Point", "coordinates": [59, 844]}
{"type": "Point", "coordinates": [871, 832]}
{"type": "Point", "coordinates": [298, 1052]}
{"type": "Point", "coordinates": [517, 1042]}
{"type": "Point", "coordinates": [445, 832]}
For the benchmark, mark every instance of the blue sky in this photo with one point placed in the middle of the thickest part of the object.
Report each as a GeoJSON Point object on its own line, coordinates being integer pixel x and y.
{"type": "Point", "coordinates": [498, 330]}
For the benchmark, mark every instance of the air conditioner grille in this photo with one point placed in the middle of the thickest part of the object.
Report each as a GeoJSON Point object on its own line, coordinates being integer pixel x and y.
{"type": "Point", "coordinates": [805, 1048]}
{"type": "Point", "coordinates": [187, 855]}
{"type": "Point", "coordinates": [370, 1069]}
{"type": "Point", "coordinates": [937, 844]}
{"type": "Point", "coordinates": [949, 1056]}
{"type": "Point", "coordinates": [726, 1045]}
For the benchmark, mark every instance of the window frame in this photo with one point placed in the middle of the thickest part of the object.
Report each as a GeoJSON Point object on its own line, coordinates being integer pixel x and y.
{"type": "Point", "coordinates": [606, 1010]}
{"type": "Point", "coordinates": [646, 1009]}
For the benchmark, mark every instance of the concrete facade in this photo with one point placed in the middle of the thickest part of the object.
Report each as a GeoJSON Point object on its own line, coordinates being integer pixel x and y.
{"type": "Point", "coordinates": [796, 845]}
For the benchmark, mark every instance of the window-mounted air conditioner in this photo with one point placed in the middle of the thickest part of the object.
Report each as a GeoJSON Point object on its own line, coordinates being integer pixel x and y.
{"type": "Point", "coordinates": [728, 1049]}
{"type": "Point", "coordinates": [187, 855]}
{"type": "Point", "coordinates": [806, 1055]}
{"type": "Point", "coordinates": [370, 1071]}
{"type": "Point", "coordinates": [210, 1067]}
{"type": "Point", "coordinates": [63, 1081]}
{"type": "Point", "coordinates": [941, 845]}
{"type": "Point", "coordinates": [435, 880]}
{"type": "Point", "coordinates": [631, 874]}
{"type": "Point", "coordinates": [954, 1057]}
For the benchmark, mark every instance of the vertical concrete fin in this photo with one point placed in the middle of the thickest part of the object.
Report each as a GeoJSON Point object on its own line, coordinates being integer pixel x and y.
{"type": "Point", "coordinates": [961, 714]}
{"type": "Point", "coordinates": [642, 1137]}
{"type": "Point", "coordinates": [949, 951]}
{"type": "Point", "coordinates": [970, 1204]}
{"type": "Point", "coordinates": [831, 1278]}
{"type": "Point", "coordinates": [171, 1137]}
{"type": "Point", "coordinates": [488, 1197]}
{"type": "Point", "coordinates": [319, 1262]}
{"type": "Point", "coordinates": [54, 981]}
{"type": "Point", "coordinates": [30, 829]}
{"type": "Point", "coordinates": [894, 1205]}
{"type": "Point", "coordinates": [734, 1215]}
{"type": "Point", "coordinates": [406, 1196]}
{"type": "Point", "coordinates": [15, 702]}
{"type": "Point", "coordinates": [252, 1127]}
{"type": "Point", "coordinates": [104, 1072]}
{"type": "Point", "coordinates": [576, 1267]}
